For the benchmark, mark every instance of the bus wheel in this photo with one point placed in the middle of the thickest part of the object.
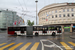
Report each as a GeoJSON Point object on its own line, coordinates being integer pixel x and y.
{"type": "Point", "coordinates": [15, 34]}
{"type": "Point", "coordinates": [53, 34]}
{"type": "Point", "coordinates": [36, 34]}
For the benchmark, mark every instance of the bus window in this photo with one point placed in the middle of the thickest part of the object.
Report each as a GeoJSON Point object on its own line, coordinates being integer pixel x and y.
{"type": "Point", "coordinates": [14, 28]}
{"type": "Point", "coordinates": [10, 29]}
{"type": "Point", "coordinates": [23, 28]}
{"type": "Point", "coordinates": [49, 28]}
{"type": "Point", "coordinates": [58, 30]}
{"type": "Point", "coordinates": [18, 28]}
{"type": "Point", "coordinates": [45, 28]}
{"type": "Point", "coordinates": [35, 28]}
{"type": "Point", "coordinates": [40, 28]}
{"type": "Point", "coordinates": [52, 28]}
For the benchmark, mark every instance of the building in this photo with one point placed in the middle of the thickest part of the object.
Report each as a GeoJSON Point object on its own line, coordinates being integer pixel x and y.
{"type": "Point", "coordinates": [9, 18]}
{"type": "Point", "coordinates": [58, 14]}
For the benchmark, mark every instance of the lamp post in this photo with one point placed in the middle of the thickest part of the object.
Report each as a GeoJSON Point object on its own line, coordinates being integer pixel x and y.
{"type": "Point", "coordinates": [36, 11]}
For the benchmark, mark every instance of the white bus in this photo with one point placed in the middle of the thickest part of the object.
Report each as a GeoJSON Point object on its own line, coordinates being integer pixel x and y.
{"type": "Point", "coordinates": [35, 30]}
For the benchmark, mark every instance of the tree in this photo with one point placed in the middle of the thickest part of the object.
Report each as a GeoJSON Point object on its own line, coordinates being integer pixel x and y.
{"type": "Point", "coordinates": [30, 23]}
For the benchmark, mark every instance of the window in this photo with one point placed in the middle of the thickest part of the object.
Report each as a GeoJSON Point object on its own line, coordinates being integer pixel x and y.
{"type": "Point", "coordinates": [63, 15]}
{"type": "Point", "coordinates": [60, 10]}
{"type": "Point", "coordinates": [68, 15]}
{"type": "Point", "coordinates": [59, 15]}
{"type": "Point", "coordinates": [46, 12]}
{"type": "Point", "coordinates": [5, 26]}
{"type": "Point", "coordinates": [63, 10]}
{"type": "Point", "coordinates": [72, 9]}
{"type": "Point", "coordinates": [52, 11]}
{"type": "Point", "coordinates": [56, 16]}
{"type": "Point", "coordinates": [68, 10]}
{"type": "Point", "coordinates": [52, 16]}
{"type": "Point", "coordinates": [55, 11]}
{"type": "Point", "coordinates": [4, 23]}
{"type": "Point", "coordinates": [72, 15]}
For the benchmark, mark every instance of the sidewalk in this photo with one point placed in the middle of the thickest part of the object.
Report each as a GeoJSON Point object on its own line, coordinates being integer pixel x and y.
{"type": "Point", "coordinates": [3, 31]}
{"type": "Point", "coordinates": [72, 35]}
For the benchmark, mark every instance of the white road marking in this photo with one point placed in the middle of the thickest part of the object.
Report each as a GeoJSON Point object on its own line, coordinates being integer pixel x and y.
{"type": "Point", "coordinates": [52, 45]}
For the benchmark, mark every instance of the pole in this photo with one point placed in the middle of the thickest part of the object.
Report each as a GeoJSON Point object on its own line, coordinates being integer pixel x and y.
{"type": "Point", "coordinates": [36, 11]}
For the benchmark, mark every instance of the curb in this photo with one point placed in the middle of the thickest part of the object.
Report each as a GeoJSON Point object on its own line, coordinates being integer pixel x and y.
{"type": "Point", "coordinates": [73, 37]}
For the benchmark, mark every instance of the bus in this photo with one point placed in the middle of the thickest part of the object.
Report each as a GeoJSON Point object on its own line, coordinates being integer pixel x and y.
{"type": "Point", "coordinates": [35, 30]}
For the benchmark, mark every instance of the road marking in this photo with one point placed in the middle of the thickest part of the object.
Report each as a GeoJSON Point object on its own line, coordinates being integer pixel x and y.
{"type": "Point", "coordinates": [2, 44]}
{"type": "Point", "coordinates": [66, 46]}
{"type": "Point", "coordinates": [6, 46]}
{"type": "Point", "coordinates": [52, 45]}
{"type": "Point", "coordinates": [12, 48]}
{"type": "Point", "coordinates": [35, 46]}
{"type": "Point", "coordinates": [25, 46]}
{"type": "Point", "coordinates": [72, 43]}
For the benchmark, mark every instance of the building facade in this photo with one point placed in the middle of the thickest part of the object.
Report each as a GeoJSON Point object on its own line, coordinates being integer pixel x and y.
{"type": "Point", "coordinates": [58, 14]}
{"type": "Point", "coordinates": [8, 18]}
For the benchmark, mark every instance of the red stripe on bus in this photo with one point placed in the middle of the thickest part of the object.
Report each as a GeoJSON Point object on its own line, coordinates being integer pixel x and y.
{"type": "Point", "coordinates": [11, 32]}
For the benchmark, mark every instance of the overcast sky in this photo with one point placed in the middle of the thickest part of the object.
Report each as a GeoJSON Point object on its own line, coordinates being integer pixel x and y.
{"type": "Point", "coordinates": [28, 7]}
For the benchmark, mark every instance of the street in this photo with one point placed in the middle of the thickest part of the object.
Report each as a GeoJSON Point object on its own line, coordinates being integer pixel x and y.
{"type": "Point", "coordinates": [62, 42]}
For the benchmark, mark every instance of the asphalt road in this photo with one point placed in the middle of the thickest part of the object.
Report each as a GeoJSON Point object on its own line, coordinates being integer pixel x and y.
{"type": "Point", "coordinates": [62, 42]}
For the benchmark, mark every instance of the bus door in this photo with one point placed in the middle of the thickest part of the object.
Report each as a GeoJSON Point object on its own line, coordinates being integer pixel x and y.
{"type": "Point", "coordinates": [45, 29]}
{"type": "Point", "coordinates": [29, 31]}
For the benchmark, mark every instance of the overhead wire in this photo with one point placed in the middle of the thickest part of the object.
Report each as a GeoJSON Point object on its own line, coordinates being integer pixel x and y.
{"type": "Point", "coordinates": [25, 11]}
{"type": "Point", "coordinates": [26, 7]}
{"type": "Point", "coordinates": [26, 15]}
{"type": "Point", "coordinates": [20, 5]}
{"type": "Point", "coordinates": [25, 4]}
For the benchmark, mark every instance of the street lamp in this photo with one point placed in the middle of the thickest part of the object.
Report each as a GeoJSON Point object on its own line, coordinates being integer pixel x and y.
{"type": "Point", "coordinates": [36, 11]}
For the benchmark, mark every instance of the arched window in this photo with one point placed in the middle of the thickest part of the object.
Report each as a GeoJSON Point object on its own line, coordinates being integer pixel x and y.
{"type": "Point", "coordinates": [68, 15]}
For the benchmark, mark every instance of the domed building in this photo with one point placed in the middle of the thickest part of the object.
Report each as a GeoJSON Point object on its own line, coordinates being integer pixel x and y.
{"type": "Point", "coordinates": [58, 14]}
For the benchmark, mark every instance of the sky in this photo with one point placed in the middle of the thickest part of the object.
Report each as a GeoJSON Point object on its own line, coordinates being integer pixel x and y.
{"type": "Point", "coordinates": [27, 8]}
